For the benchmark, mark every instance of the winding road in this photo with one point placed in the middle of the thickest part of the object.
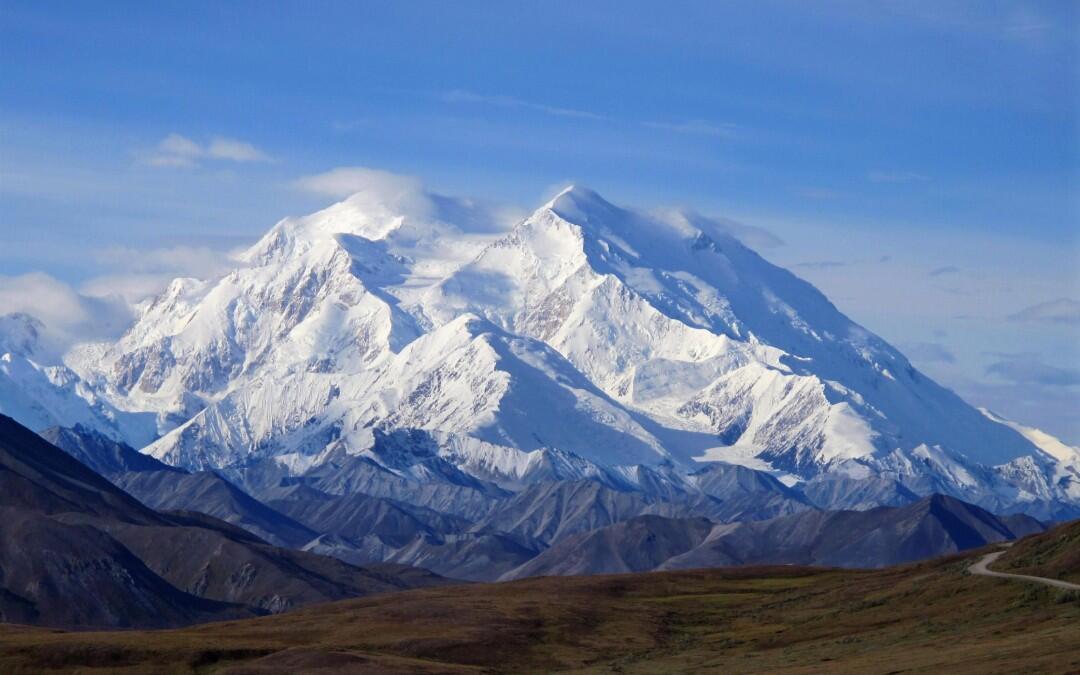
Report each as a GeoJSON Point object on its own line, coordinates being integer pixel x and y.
{"type": "Point", "coordinates": [981, 568]}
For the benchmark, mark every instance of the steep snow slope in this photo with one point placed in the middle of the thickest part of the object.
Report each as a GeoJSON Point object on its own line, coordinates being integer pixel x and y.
{"type": "Point", "coordinates": [466, 376]}
{"type": "Point", "coordinates": [39, 395]}
{"type": "Point", "coordinates": [584, 338]}
{"type": "Point", "coordinates": [680, 319]}
{"type": "Point", "coordinates": [310, 297]}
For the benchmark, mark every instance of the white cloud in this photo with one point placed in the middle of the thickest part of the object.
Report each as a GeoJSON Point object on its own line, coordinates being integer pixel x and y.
{"type": "Point", "coordinates": [175, 144]}
{"type": "Point", "coordinates": [236, 151]}
{"type": "Point", "coordinates": [348, 180]}
{"type": "Point", "coordinates": [132, 288]}
{"type": "Point", "coordinates": [196, 261]}
{"type": "Point", "coordinates": [176, 151]}
{"type": "Point", "coordinates": [170, 162]}
{"type": "Point", "coordinates": [1062, 310]}
{"type": "Point", "coordinates": [376, 191]}
{"type": "Point", "coordinates": [136, 274]}
{"type": "Point", "coordinates": [68, 316]}
{"type": "Point", "coordinates": [101, 308]}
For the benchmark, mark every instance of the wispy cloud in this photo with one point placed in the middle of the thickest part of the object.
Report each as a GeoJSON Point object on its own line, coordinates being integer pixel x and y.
{"type": "Point", "coordinates": [820, 264]}
{"type": "Point", "coordinates": [342, 126]}
{"type": "Point", "coordinates": [944, 271]}
{"type": "Point", "coordinates": [345, 181]}
{"type": "Point", "coordinates": [68, 316]}
{"type": "Point", "coordinates": [1030, 369]}
{"type": "Point", "coordinates": [377, 191]}
{"type": "Point", "coordinates": [176, 151]}
{"type": "Point", "coordinates": [928, 352]}
{"type": "Point", "coordinates": [198, 261]}
{"type": "Point", "coordinates": [1062, 310]}
{"type": "Point", "coordinates": [501, 101]}
{"type": "Point", "coordinates": [235, 151]}
{"type": "Point", "coordinates": [697, 127]}
{"type": "Point", "coordinates": [135, 274]}
{"type": "Point", "coordinates": [130, 287]}
{"type": "Point", "coordinates": [818, 193]}
{"type": "Point", "coordinates": [879, 176]}
{"type": "Point", "coordinates": [1016, 22]}
{"type": "Point", "coordinates": [751, 235]}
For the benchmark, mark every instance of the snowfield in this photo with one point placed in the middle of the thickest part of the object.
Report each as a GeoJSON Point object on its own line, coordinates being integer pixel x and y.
{"type": "Point", "coordinates": [588, 341]}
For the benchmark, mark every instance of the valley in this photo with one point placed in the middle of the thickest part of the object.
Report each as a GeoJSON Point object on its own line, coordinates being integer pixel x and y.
{"type": "Point", "coordinates": [558, 337]}
{"type": "Point", "coordinates": [921, 618]}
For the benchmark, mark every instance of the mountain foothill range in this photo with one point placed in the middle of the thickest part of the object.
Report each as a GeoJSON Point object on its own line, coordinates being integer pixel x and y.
{"type": "Point", "coordinates": [397, 394]}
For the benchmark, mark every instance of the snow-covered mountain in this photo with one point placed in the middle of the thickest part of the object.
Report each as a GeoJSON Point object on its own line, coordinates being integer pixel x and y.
{"type": "Point", "coordinates": [42, 394]}
{"type": "Point", "coordinates": [588, 341]}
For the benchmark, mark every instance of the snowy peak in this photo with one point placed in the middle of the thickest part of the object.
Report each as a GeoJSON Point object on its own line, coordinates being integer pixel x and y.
{"type": "Point", "coordinates": [583, 206]}
{"type": "Point", "coordinates": [1067, 455]}
{"type": "Point", "coordinates": [20, 334]}
{"type": "Point", "coordinates": [585, 337]}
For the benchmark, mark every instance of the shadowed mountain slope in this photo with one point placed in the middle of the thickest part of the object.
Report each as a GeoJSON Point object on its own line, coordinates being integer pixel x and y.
{"type": "Point", "coordinates": [167, 488]}
{"type": "Point", "coordinates": [77, 551]}
{"type": "Point", "coordinates": [932, 617]}
{"type": "Point", "coordinates": [878, 537]}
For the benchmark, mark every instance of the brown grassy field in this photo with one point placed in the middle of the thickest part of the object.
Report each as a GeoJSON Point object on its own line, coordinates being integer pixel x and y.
{"type": "Point", "coordinates": [1054, 554]}
{"type": "Point", "coordinates": [932, 617]}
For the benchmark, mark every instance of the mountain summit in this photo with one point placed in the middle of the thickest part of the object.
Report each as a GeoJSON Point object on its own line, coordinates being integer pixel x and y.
{"type": "Point", "coordinates": [606, 335]}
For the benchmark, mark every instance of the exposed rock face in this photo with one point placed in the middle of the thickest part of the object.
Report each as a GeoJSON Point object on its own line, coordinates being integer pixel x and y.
{"type": "Point", "coordinates": [169, 488]}
{"type": "Point", "coordinates": [78, 552]}
{"type": "Point", "coordinates": [882, 536]}
{"type": "Point", "coordinates": [398, 379]}
{"type": "Point", "coordinates": [586, 330]}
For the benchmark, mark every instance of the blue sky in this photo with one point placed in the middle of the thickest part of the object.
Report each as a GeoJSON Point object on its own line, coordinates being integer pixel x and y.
{"type": "Point", "coordinates": [918, 161]}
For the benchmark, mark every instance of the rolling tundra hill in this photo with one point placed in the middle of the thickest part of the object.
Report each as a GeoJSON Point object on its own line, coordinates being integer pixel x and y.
{"type": "Point", "coordinates": [929, 617]}
{"type": "Point", "coordinates": [399, 379]}
{"type": "Point", "coordinates": [1055, 554]}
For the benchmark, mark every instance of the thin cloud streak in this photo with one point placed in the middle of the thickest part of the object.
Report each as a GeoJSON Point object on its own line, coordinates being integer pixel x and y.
{"type": "Point", "coordinates": [820, 264]}
{"type": "Point", "coordinates": [692, 127]}
{"type": "Point", "coordinates": [501, 101]}
{"type": "Point", "coordinates": [928, 352]}
{"type": "Point", "coordinates": [943, 271]}
{"type": "Point", "coordinates": [1031, 369]}
{"type": "Point", "coordinates": [1062, 310]}
{"type": "Point", "coordinates": [697, 127]}
{"type": "Point", "coordinates": [879, 176]}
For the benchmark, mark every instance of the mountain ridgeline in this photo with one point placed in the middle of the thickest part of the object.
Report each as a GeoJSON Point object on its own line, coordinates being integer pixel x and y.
{"type": "Point", "coordinates": [401, 379]}
{"type": "Point", "coordinates": [722, 515]}
{"type": "Point", "coordinates": [78, 552]}
{"type": "Point", "coordinates": [587, 339]}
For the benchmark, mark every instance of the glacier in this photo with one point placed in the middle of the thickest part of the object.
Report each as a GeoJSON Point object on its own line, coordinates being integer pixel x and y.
{"type": "Point", "coordinates": [587, 341]}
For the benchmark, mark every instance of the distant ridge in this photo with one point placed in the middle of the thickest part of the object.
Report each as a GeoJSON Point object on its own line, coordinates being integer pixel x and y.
{"type": "Point", "coordinates": [78, 552]}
